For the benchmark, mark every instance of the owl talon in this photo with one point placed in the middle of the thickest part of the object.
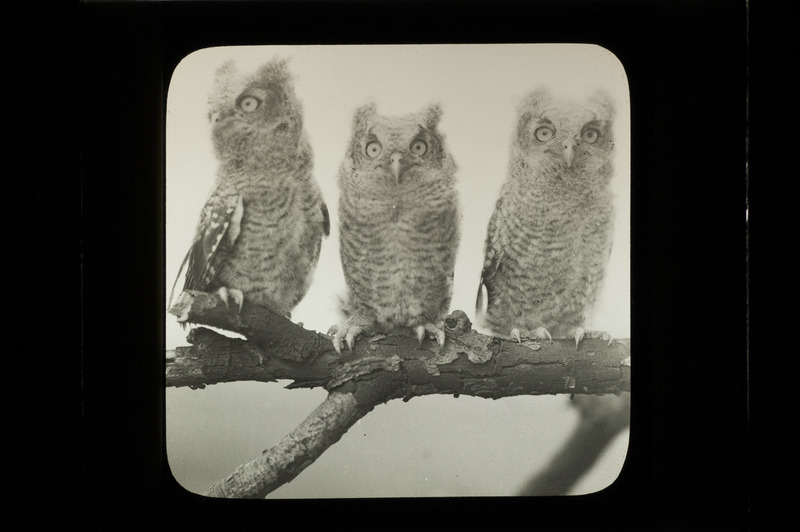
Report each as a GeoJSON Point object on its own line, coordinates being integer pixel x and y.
{"type": "Point", "coordinates": [236, 295]}
{"type": "Point", "coordinates": [223, 295]}
{"type": "Point", "coordinates": [440, 337]}
{"type": "Point", "coordinates": [542, 334]}
{"type": "Point", "coordinates": [420, 332]}
{"type": "Point", "coordinates": [580, 334]}
{"type": "Point", "coordinates": [350, 339]}
{"type": "Point", "coordinates": [433, 332]}
{"type": "Point", "coordinates": [347, 333]}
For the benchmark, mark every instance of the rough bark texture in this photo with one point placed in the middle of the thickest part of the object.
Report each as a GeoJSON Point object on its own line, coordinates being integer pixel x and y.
{"type": "Point", "coordinates": [296, 451]}
{"type": "Point", "coordinates": [470, 363]}
{"type": "Point", "coordinates": [378, 369]}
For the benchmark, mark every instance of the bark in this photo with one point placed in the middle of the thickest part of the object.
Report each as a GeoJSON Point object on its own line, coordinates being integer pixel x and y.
{"type": "Point", "coordinates": [470, 363]}
{"type": "Point", "coordinates": [301, 447]}
{"type": "Point", "coordinates": [378, 369]}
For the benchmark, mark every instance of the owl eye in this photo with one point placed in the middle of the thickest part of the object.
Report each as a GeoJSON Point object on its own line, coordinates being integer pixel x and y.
{"type": "Point", "coordinates": [544, 133]}
{"type": "Point", "coordinates": [590, 135]}
{"type": "Point", "coordinates": [248, 104]}
{"type": "Point", "coordinates": [419, 147]}
{"type": "Point", "coordinates": [373, 149]}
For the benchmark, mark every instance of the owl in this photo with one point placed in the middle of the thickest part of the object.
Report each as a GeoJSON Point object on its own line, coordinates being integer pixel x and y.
{"type": "Point", "coordinates": [261, 229]}
{"type": "Point", "coordinates": [399, 225]}
{"type": "Point", "coordinates": [549, 237]}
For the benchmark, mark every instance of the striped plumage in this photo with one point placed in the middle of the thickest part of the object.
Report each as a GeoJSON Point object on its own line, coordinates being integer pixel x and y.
{"type": "Point", "coordinates": [260, 232]}
{"type": "Point", "coordinates": [549, 238]}
{"type": "Point", "coordinates": [399, 219]}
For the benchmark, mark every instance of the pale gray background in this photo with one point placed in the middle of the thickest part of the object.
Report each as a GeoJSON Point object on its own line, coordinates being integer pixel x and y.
{"type": "Point", "coordinates": [430, 446]}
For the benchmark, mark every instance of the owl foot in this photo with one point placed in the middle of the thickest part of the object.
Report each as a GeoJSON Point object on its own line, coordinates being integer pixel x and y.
{"type": "Point", "coordinates": [540, 333]}
{"type": "Point", "coordinates": [348, 331]}
{"type": "Point", "coordinates": [345, 333]}
{"type": "Point", "coordinates": [580, 334]}
{"type": "Point", "coordinates": [432, 330]}
{"type": "Point", "coordinates": [236, 295]}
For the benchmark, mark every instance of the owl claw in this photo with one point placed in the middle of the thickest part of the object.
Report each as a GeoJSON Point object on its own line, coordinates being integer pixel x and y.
{"type": "Point", "coordinates": [580, 334]}
{"type": "Point", "coordinates": [420, 332]}
{"type": "Point", "coordinates": [237, 295]}
{"type": "Point", "coordinates": [350, 339]}
{"type": "Point", "coordinates": [432, 330]}
{"type": "Point", "coordinates": [440, 337]}
{"type": "Point", "coordinates": [347, 333]}
{"type": "Point", "coordinates": [540, 333]}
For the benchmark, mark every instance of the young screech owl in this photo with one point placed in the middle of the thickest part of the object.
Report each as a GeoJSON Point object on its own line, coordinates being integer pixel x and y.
{"type": "Point", "coordinates": [261, 229]}
{"type": "Point", "coordinates": [399, 219]}
{"type": "Point", "coordinates": [549, 238]}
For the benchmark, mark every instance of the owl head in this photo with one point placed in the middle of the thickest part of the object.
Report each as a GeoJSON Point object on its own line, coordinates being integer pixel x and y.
{"type": "Point", "coordinates": [251, 114]}
{"type": "Point", "coordinates": [571, 137]}
{"type": "Point", "coordinates": [396, 151]}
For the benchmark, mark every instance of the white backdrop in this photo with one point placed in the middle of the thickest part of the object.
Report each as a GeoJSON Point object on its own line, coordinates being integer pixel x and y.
{"type": "Point", "coordinates": [433, 445]}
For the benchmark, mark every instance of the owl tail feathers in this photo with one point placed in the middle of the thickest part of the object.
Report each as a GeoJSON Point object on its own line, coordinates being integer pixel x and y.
{"type": "Point", "coordinates": [175, 283]}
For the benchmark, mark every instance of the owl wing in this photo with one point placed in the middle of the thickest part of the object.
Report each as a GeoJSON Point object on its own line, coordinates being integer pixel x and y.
{"type": "Point", "coordinates": [220, 222]}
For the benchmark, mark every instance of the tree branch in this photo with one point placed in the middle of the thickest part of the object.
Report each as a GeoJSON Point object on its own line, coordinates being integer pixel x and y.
{"type": "Point", "coordinates": [470, 363]}
{"type": "Point", "coordinates": [302, 446]}
{"type": "Point", "coordinates": [378, 369]}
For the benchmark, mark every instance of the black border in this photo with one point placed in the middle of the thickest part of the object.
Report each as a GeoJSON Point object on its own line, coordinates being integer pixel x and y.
{"type": "Point", "coordinates": [685, 63]}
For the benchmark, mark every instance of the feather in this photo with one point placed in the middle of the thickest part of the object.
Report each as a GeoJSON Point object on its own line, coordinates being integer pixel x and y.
{"type": "Point", "coordinates": [220, 223]}
{"type": "Point", "coordinates": [326, 220]}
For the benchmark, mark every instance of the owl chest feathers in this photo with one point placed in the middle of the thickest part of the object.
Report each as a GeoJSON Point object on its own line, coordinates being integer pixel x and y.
{"type": "Point", "coordinates": [554, 231]}
{"type": "Point", "coordinates": [552, 243]}
{"type": "Point", "coordinates": [279, 227]}
{"type": "Point", "coordinates": [398, 251]}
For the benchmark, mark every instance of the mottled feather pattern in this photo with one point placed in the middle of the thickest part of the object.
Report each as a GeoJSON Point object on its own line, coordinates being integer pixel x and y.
{"type": "Point", "coordinates": [549, 237]}
{"type": "Point", "coordinates": [398, 253]}
{"type": "Point", "coordinates": [399, 219]}
{"type": "Point", "coordinates": [214, 230]}
{"type": "Point", "coordinates": [266, 248]}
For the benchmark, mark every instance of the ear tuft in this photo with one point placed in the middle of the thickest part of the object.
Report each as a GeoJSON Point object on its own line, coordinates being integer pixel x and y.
{"type": "Point", "coordinates": [433, 114]}
{"type": "Point", "coordinates": [604, 105]}
{"type": "Point", "coordinates": [362, 116]}
{"type": "Point", "coordinates": [533, 101]}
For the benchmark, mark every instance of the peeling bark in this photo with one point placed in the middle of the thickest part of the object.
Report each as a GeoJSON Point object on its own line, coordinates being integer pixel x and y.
{"type": "Point", "coordinates": [469, 363]}
{"type": "Point", "coordinates": [379, 369]}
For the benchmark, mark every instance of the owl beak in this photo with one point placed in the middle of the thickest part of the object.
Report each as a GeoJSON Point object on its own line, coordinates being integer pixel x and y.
{"type": "Point", "coordinates": [219, 120]}
{"type": "Point", "coordinates": [396, 165]}
{"type": "Point", "coordinates": [569, 152]}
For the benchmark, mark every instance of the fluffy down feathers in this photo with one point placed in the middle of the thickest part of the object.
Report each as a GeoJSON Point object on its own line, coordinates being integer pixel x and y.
{"type": "Point", "coordinates": [261, 230]}
{"type": "Point", "coordinates": [399, 220]}
{"type": "Point", "coordinates": [549, 237]}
